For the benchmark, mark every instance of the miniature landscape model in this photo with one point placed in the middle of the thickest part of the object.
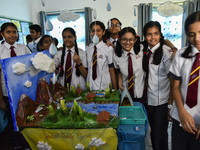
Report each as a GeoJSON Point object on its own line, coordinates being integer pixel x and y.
{"type": "Point", "coordinates": [50, 108]}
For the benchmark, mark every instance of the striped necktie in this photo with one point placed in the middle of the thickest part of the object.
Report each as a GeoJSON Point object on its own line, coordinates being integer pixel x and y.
{"type": "Point", "coordinates": [144, 97]}
{"type": "Point", "coordinates": [130, 76]}
{"type": "Point", "coordinates": [12, 52]}
{"type": "Point", "coordinates": [68, 69]}
{"type": "Point", "coordinates": [192, 92]}
{"type": "Point", "coordinates": [94, 65]}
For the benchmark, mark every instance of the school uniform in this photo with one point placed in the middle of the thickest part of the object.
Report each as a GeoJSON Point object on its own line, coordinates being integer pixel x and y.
{"type": "Point", "coordinates": [121, 63]}
{"type": "Point", "coordinates": [33, 45]}
{"type": "Point", "coordinates": [75, 79]}
{"type": "Point", "coordinates": [5, 53]}
{"type": "Point", "coordinates": [157, 97]}
{"type": "Point", "coordinates": [180, 70]}
{"type": "Point", "coordinates": [104, 61]}
{"type": "Point", "coordinates": [9, 130]}
{"type": "Point", "coordinates": [114, 41]}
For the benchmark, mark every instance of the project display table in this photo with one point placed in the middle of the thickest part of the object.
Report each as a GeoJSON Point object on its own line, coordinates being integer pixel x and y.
{"type": "Point", "coordinates": [67, 139]}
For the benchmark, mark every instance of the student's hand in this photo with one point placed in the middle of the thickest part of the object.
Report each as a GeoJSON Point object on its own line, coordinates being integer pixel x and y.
{"type": "Point", "coordinates": [121, 87]}
{"type": "Point", "coordinates": [3, 105]}
{"type": "Point", "coordinates": [76, 58]}
{"type": "Point", "coordinates": [187, 121]}
{"type": "Point", "coordinates": [109, 43]}
{"type": "Point", "coordinates": [198, 133]}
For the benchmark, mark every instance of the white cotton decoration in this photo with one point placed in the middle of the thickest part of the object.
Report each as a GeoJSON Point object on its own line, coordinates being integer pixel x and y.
{"type": "Point", "coordinates": [28, 84]}
{"type": "Point", "coordinates": [52, 50]}
{"type": "Point", "coordinates": [135, 23]}
{"type": "Point", "coordinates": [95, 39]}
{"type": "Point", "coordinates": [19, 68]}
{"type": "Point", "coordinates": [79, 147]}
{"type": "Point", "coordinates": [66, 16]}
{"type": "Point", "coordinates": [48, 25]}
{"type": "Point", "coordinates": [168, 9]}
{"type": "Point", "coordinates": [95, 14]}
{"type": "Point", "coordinates": [108, 7]}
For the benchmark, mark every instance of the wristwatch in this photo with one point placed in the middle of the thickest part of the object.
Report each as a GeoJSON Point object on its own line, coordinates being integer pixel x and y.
{"type": "Point", "coordinates": [169, 106]}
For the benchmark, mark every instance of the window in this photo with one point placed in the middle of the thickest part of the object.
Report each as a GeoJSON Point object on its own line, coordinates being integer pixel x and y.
{"type": "Point", "coordinates": [171, 27]}
{"type": "Point", "coordinates": [78, 26]}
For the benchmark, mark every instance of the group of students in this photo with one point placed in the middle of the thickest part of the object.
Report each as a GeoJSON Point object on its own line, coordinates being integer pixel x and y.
{"type": "Point", "coordinates": [148, 69]}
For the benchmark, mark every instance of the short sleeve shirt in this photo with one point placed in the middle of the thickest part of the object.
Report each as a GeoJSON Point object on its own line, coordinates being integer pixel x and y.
{"type": "Point", "coordinates": [158, 81]}
{"type": "Point", "coordinates": [138, 73]}
{"type": "Point", "coordinates": [104, 59]}
{"type": "Point", "coordinates": [75, 79]}
{"type": "Point", "coordinates": [180, 70]}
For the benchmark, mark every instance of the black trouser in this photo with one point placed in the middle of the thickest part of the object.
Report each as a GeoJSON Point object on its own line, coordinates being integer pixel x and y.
{"type": "Point", "coordinates": [157, 116]}
{"type": "Point", "coordinates": [10, 139]}
{"type": "Point", "coordinates": [183, 140]}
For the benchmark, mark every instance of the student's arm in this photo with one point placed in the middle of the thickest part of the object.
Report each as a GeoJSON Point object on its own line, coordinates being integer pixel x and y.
{"type": "Point", "coordinates": [113, 77]}
{"type": "Point", "coordinates": [77, 60]}
{"type": "Point", "coordinates": [120, 81]}
{"type": "Point", "coordinates": [186, 119]}
{"type": "Point", "coordinates": [2, 102]}
{"type": "Point", "coordinates": [173, 48]}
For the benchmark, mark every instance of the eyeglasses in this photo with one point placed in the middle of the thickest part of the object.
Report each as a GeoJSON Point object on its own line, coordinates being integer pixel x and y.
{"type": "Point", "coordinates": [127, 40]}
{"type": "Point", "coordinates": [115, 25]}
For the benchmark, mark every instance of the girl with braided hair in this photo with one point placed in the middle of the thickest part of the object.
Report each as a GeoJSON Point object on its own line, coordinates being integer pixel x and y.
{"type": "Point", "coordinates": [71, 61]}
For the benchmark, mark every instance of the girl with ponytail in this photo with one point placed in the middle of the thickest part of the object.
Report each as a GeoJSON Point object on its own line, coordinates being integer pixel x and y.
{"type": "Point", "coordinates": [156, 63]}
{"type": "Point", "coordinates": [128, 47]}
{"type": "Point", "coordinates": [185, 72]}
{"type": "Point", "coordinates": [78, 61]}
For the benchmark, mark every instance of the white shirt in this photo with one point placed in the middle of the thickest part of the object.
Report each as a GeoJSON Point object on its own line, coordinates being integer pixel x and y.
{"type": "Point", "coordinates": [180, 70]}
{"type": "Point", "coordinates": [75, 79]}
{"type": "Point", "coordinates": [33, 45]}
{"type": "Point", "coordinates": [104, 58]}
{"type": "Point", "coordinates": [138, 73]}
{"type": "Point", "coordinates": [111, 40]}
{"type": "Point", "coordinates": [5, 53]}
{"type": "Point", "coordinates": [159, 84]}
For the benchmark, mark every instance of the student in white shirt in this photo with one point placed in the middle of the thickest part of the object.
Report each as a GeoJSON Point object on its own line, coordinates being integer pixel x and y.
{"type": "Point", "coordinates": [45, 42]}
{"type": "Point", "coordinates": [10, 34]}
{"type": "Point", "coordinates": [35, 32]}
{"type": "Point", "coordinates": [78, 60]}
{"type": "Point", "coordinates": [158, 91]}
{"type": "Point", "coordinates": [186, 118]}
{"type": "Point", "coordinates": [105, 68]}
{"type": "Point", "coordinates": [129, 42]}
{"type": "Point", "coordinates": [111, 34]}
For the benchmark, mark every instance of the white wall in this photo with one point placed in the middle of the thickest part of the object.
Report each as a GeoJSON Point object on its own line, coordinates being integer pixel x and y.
{"type": "Point", "coordinates": [28, 10]}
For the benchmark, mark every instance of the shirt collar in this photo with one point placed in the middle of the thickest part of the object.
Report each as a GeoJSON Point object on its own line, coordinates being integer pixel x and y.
{"type": "Point", "coordinates": [154, 48]}
{"type": "Point", "coordinates": [99, 44]}
{"type": "Point", "coordinates": [194, 50]}
{"type": "Point", "coordinates": [72, 49]}
{"type": "Point", "coordinates": [8, 45]}
{"type": "Point", "coordinates": [36, 41]}
{"type": "Point", "coordinates": [111, 39]}
{"type": "Point", "coordinates": [126, 53]}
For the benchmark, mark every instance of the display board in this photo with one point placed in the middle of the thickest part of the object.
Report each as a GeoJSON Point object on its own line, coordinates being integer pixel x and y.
{"type": "Point", "coordinates": [22, 26]}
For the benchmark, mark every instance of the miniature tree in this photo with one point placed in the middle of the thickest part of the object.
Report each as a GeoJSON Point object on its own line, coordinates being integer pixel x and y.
{"type": "Point", "coordinates": [78, 86]}
{"type": "Point", "coordinates": [73, 92]}
{"type": "Point", "coordinates": [64, 108]}
{"type": "Point", "coordinates": [88, 86]}
{"type": "Point", "coordinates": [110, 87]}
{"type": "Point", "coordinates": [107, 94]}
{"type": "Point", "coordinates": [52, 114]}
{"type": "Point", "coordinates": [68, 88]}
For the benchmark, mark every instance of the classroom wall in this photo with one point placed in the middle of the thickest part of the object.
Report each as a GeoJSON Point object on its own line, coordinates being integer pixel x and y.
{"type": "Point", "coordinates": [28, 9]}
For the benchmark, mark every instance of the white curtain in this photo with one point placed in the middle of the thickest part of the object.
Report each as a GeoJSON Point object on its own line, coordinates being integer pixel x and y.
{"type": "Point", "coordinates": [144, 16]}
{"type": "Point", "coordinates": [188, 8]}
